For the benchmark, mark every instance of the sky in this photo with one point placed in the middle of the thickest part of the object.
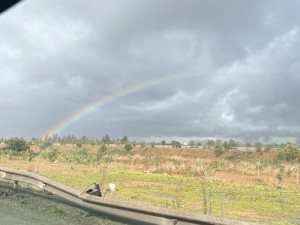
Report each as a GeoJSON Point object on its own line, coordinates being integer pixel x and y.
{"type": "Point", "coordinates": [151, 68]}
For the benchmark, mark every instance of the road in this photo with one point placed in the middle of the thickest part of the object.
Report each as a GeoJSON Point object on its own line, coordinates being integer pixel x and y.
{"type": "Point", "coordinates": [29, 207]}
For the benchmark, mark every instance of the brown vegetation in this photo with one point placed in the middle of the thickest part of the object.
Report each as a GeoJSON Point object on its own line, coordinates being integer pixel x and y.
{"type": "Point", "coordinates": [232, 166]}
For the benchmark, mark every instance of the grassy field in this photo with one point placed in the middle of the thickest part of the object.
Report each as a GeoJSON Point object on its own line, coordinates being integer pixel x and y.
{"type": "Point", "coordinates": [234, 186]}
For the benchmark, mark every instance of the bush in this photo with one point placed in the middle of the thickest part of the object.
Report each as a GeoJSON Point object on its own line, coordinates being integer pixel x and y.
{"type": "Point", "coordinates": [234, 157]}
{"type": "Point", "coordinates": [258, 147]}
{"type": "Point", "coordinates": [17, 144]}
{"type": "Point", "coordinates": [101, 150]}
{"type": "Point", "coordinates": [175, 144]}
{"type": "Point", "coordinates": [128, 146]}
{"type": "Point", "coordinates": [50, 154]}
{"type": "Point", "coordinates": [78, 144]}
{"type": "Point", "coordinates": [289, 153]}
{"type": "Point", "coordinates": [30, 155]}
{"type": "Point", "coordinates": [280, 175]}
{"type": "Point", "coordinates": [45, 144]}
{"type": "Point", "coordinates": [80, 156]}
{"type": "Point", "coordinates": [18, 155]}
{"type": "Point", "coordinates": [218, 150]}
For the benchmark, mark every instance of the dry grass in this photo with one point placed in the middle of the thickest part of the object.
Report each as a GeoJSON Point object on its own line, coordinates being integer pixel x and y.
{"type": "Point", "coordinates": [241, 168]}
{"type": "Point", "coordinates": [173, 178]}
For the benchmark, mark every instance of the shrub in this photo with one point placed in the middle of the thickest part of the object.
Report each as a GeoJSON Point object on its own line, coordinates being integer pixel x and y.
{"type": "Point", "coordinates": [50, 154]}
{"type": "Point", "coordinates": [289, 153]}
{"type": "Point", "coordinates": [218, 150]}
{"type": "Point", "coordinates": [17, 144]}
{"type": "Point", "coordinates": [101, 150]}
{"type": "Point", "coordinates": [258, 147]}
{"type": "Point", "coordinates": [128, 146]}
{"type": "Point", "coordinates": [80, 156]}
{"type": "Point", "coordinates": [175, 144]}
{"type": "Point", "coordinates": [234, 157]}
{"type": "Point", "coordinates": [79, 144]}
{"type": "Point", "coordinates": [30, 155]}
{"type": "Point", "coordinates": [157, 159]}
{"type": "Point", "coordinates": [280, 175]}
{"type": "Point", "coordinates": [45, 144]}
{"type": "Point", "coordinates": [18, 155]}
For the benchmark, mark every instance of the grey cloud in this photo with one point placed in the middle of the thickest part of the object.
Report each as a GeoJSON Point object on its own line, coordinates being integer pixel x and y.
{"type": "Point", "coordinates": [57, 57]}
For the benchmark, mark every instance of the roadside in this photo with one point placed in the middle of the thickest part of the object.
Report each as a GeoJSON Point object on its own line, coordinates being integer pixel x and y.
{"type": "Point", "coordinates": [29, 207]}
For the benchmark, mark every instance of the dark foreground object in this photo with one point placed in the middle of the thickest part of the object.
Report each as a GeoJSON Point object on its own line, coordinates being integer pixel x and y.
{"type": "Point", "coordinates": [95, 190]}
{"type": "Point", "coordinates": [6, 4]}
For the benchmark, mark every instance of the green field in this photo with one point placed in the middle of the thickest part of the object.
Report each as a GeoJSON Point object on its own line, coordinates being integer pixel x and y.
{"type": "Point", "coordinates": [223, 199]}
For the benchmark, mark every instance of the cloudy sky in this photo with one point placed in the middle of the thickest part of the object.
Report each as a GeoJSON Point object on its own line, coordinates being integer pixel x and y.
{"type": "Point", "coordinates": [171, 68]}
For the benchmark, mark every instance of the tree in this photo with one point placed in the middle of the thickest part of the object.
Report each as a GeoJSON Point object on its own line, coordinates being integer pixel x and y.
{"type": "Point", "coordinates": [198, 144]}
{"type": "Point", "coordinates": [17, 144]}
{"type": "Point", "coordinates": [83, 140]}
{"type": "Point", "coordinates": [176, 144]}
{"type": "Point", "coordinates": [106, 139]}
{"type": "Point", "coordinates": [210, 143]}
{"type": "Point", "coordinates": [192, 143]}
{"type": "Point", "coordinates": [163, 142]}
{"type": "Point", "coordinates": [232, 144]}
{"type": "Point", "coordinates": [226, 145]}
{"type": "Point", "coordinates": [124, 140]}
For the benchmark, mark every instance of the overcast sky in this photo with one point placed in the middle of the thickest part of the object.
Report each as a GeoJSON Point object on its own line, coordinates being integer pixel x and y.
{"type": "Point", "coordinates": [239, 62]}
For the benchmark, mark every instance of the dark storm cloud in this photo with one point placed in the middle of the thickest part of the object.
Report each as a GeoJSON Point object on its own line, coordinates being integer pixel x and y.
{"type": "Point", "coordinates": [57, 57]}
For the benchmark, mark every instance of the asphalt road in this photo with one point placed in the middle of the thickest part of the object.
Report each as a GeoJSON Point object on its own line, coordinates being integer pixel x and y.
{"type": "Point", "coordinates": [28, 207]}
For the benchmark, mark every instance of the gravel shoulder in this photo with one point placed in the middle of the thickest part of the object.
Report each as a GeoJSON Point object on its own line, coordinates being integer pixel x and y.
{"type": "Point", "coordinates": [30, 207]}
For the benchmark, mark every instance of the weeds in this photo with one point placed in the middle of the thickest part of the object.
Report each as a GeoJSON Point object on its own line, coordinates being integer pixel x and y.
{"type": "Point", "coordinates": [78, 155]}
{"type": "Point", "coordinates": [51, 154]}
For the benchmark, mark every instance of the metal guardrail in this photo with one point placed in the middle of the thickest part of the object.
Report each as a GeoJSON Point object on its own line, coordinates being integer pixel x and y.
{"type": "Point", "coordinates": [139, 214]}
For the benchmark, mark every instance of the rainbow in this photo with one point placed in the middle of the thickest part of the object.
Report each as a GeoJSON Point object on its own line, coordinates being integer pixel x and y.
{"type": "Point", "coordinates": [116, 95]}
